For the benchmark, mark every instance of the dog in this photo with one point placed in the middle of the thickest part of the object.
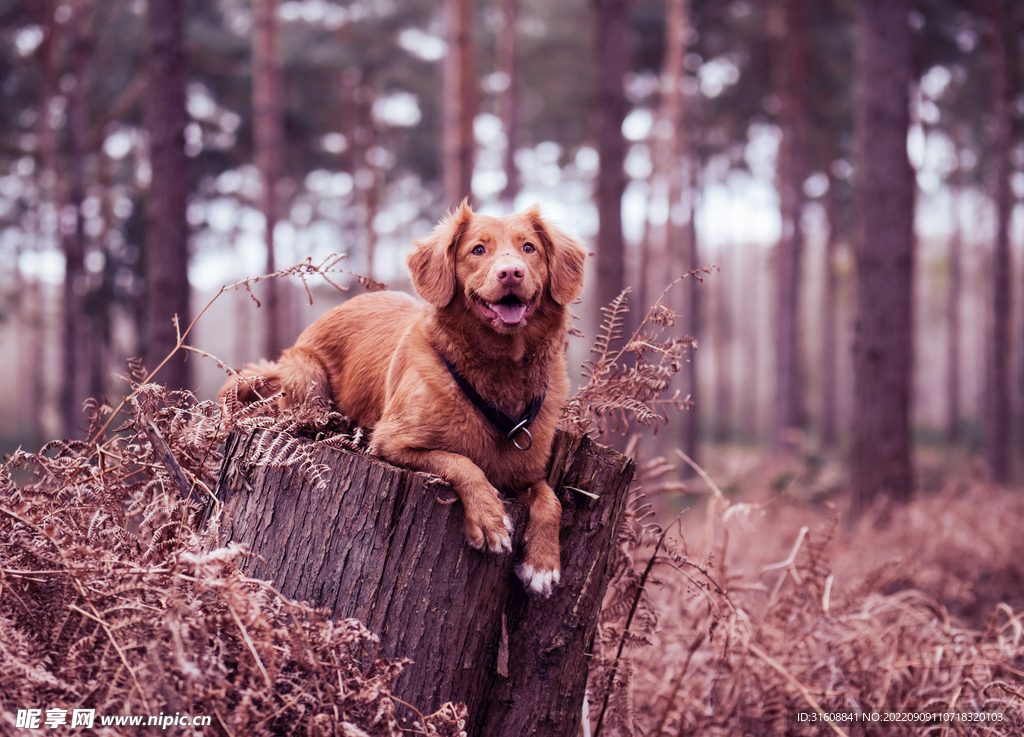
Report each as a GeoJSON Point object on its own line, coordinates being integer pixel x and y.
{"type": "Point", "coordinates": [468, 384]}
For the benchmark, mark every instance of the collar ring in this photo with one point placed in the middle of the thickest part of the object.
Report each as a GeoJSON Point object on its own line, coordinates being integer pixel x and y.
{"type": "Point", "coordinates": [514, 433]}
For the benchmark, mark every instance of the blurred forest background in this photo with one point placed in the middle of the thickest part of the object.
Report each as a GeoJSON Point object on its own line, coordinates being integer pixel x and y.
{"type": "Point", "coordinates": [854, 169]}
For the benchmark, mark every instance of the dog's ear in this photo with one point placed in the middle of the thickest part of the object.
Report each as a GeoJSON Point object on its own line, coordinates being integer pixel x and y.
{"type": "Point", "coordinates": [566, 257]}
{"type": "Point", "coordinates": [432, 262]}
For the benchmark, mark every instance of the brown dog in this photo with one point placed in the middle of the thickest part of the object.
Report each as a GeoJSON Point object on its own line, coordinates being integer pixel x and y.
{"type": "Point", "coordinates": [450, 386]}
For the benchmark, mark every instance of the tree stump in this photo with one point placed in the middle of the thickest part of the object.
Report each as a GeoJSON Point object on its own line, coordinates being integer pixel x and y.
{"type": "Point", "coordinates": [377, 544]}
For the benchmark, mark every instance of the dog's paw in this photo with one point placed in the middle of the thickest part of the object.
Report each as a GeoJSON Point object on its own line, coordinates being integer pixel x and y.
{"type": "Point", "coordinates": [539, 582]}
{"type": "Point", "coordinates": [486, 532]}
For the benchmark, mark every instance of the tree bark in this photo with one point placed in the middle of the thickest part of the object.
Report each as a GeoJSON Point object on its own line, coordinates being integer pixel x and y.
{"type": "Point", "coordinates": [829, 327]}
{"type": "Point", "coordinates": [997, 409]}
{"type": "Point", "coordinates": [788, 413]}
{"type": "Point", "coordinates": [72, 224]}
{"type": "Point", "coordinates": [508, 101]}
{"type": "Point", "coordinates": [671, 164]}
{"type": "Point", "coordinates": [953, 324]}
{"type": "Point", "coordinates": [166, 254]}
{"type": "Point", "coordinates": [750, 336]}
{"type": "Point", "coordinates": [460, 101]}
{"type": "Point", "coordinates": [377, 545]}
{"type": "Point", "coordinates": [723, 345]}
{"type": "Point", "coordinates": [268, 129]}
{"type": "Point", "coordinates": [613, 52]}
{"type": "Point", "coordinates": [49, 54]}
{"type": "Point", "coordinates": [880, 454]}
{"type": "Point", "coordinates": [676, 242]}
{"type": "Point", "coordinates": [692, 325]}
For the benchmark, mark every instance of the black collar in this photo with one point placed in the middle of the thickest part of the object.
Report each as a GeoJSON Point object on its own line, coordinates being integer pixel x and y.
{"type": "Point", "coordinates": [509, 426]}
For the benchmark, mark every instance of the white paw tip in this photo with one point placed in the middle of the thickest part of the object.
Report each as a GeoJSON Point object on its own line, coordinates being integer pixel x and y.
{"type": "Point", "coordinates": [537, 582]}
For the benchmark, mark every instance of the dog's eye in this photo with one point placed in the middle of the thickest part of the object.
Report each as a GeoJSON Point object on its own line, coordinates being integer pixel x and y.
{"type": "Point", "coordinates": [478, 251]}
{"type": "Point", "coordinates": [529, 248]}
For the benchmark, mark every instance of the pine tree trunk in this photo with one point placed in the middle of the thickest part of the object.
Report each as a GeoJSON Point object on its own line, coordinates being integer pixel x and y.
{"type": "Point", "coordinates": [1014, 32]}
{"type": "Point", "coordinates": [678, 243]}
{"type": "Point", "coordinates": [723, 341]}
{"type": "Point", "coordinates": [953, 325]}
{"type": "Point", "coordinates": [997, 410]}
{"type": "Point", "coordinates": [612, 49]}
{"type": "Point", "coordinates": [378, 545]}
{"type": "Point", "coordinates": [460, 101]}
{"type": "Point", "coordinates": [750, 331]}
{"type": "Point", "coordinates": [880, 460]}
{"type": "Point", "coordinates": [101, 293]}
{"type": "Point", "coordinates": [50, 191]}
{"type": "Point", "coordinates": [829, 328]}
{"type": "Point", "coordinates": [689, 438]}
{"type": "Point", "coordinates": [508, 101]}
{"type": "Point", "coordinates": [166, 255]}
{"type": "Point", "coordinates": [268, 128]}
{"type": "Point", "coordinates": [671, 162]}
{"type": "Point", "coordinates": [72, 225]}
{"type": "Point", "coordinates": [792, 171]}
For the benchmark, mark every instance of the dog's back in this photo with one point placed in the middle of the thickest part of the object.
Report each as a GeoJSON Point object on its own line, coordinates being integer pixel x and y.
{"type": "Point", "coordinates": [343, 356]}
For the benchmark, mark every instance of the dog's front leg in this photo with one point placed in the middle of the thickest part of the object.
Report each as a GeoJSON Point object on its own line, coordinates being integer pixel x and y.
{"type": "Point", "coordinates": [487, 525]}
{"type": "Point", "coordinates": [539, 569]}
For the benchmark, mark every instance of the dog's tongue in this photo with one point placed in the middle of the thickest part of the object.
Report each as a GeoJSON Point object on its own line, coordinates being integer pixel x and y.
{"type": "Point", "coordinates": [509, 314]}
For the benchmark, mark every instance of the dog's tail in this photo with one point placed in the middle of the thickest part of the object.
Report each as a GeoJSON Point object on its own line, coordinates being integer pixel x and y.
{"type": "Point", "coordinates": [299, 374]}
{"type": "Point", "coordinates": [254, 382]}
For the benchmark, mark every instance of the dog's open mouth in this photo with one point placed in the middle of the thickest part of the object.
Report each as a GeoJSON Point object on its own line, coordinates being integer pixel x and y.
{"type": "Point", "coordinates": [509, 309]}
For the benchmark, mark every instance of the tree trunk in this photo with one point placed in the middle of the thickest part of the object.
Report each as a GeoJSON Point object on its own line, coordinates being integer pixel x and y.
{"type": "Point", "coordinates": [612, 48]}
{"type": "Point", "coordinates": [32, 371]}
{"type": "Point", "coordinates": [50, 190]}
{"type": "Point", "coordinates": [723, 342]}
{"type": "Point", "coordinates": [166, 256]}
{"type": "Point", "coordinates": [460, 101]}
{"type": "Point", "coordinates": [953, 324]}
{"type": "Point", "coordinates": [1014, 32]}
{"type": "Point", "coordinates": [379, 545]}
{"type": "Point", "coordinates": [268, 129]}
{"type": "Point", "coordinates": [880, 454]}
{"type": "Point", "coordinates": [507, 103]}
{"type": "Point", "coordinates": [692, 325]}
{"type": "Point", "coordinates": [671, 165]}
{"type": "Point", "coordinates": [100, 295]}
{"type": "Point", "coordinates": [792, 171]}
{"type": "Point", "coordinates": [678, 238]}
{"type": "Point", "coordinates": [997, 410]}
{"type": "Point", "coordinates": [750, 332]}
{"type": "Point", "coordinates": [829, 327]}
{"type": "Point", "coordinates": [72, 224]}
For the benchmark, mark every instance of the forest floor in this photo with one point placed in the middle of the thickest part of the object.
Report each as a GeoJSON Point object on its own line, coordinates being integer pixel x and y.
{"type": "Point", "coordinates": [751, 610]}
{"type": "Point", "coordinates": [914, 610]}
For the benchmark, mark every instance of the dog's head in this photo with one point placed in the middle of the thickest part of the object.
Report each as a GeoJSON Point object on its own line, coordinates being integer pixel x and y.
{"type": "Point", "coordinates": [502, 269]}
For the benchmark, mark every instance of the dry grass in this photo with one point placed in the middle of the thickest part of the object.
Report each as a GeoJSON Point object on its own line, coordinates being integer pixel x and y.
{"type": "Point", "coordinates": [917, 609]}
{"type": "Point", "coordinates": [111, 599]}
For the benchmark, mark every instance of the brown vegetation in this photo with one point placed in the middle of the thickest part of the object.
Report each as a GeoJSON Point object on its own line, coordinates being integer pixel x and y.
{"type": "Point", "coordinates": [111, 601]}
{"type": "Point", "coordinates": [921, 614]}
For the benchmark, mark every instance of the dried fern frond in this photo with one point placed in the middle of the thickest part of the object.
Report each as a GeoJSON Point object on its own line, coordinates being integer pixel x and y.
{"type": "Point", "coordinates": [110, 599]}
{"type": "Point", "coordinates": [627, 381]}
{"type": "Point", "coordinates": [744, 661]}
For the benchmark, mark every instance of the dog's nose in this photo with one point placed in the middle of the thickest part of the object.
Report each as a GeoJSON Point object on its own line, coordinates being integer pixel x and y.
{"type": "Point", "coordinates": [510, 274]}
